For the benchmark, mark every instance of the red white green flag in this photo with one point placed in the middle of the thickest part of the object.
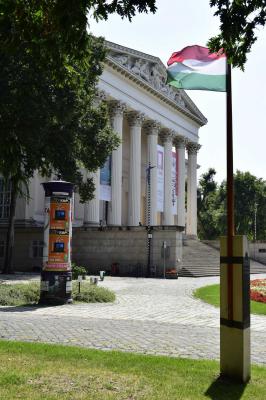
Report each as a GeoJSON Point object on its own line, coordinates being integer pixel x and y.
{"type": "Point", "coordinates": [195, 68]}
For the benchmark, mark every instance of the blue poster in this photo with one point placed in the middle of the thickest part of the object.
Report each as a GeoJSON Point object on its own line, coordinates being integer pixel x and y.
{"type": "Point", "coordinates": [105, 180]}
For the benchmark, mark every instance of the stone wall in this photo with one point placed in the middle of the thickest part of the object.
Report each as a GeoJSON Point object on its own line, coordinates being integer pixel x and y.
{"type": "Point", "coordinates": [98, 249]}
{"type": "Point", "coordinates": [23, 254]}
{"type": "Point", "coordinates": [257, 250]}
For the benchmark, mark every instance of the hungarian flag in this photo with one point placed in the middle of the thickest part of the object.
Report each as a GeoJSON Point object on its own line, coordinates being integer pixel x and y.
{"type": "Point", "coordinates": [196, 68]}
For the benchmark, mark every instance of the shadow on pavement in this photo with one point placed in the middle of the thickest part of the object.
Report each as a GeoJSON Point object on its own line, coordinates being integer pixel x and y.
{"type": "Point", "coordinates": [225, 389]}
{"type": "Point", "coordinates": [25, 308]}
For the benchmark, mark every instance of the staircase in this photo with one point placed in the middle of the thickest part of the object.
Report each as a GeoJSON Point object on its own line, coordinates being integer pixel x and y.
{"type": "Point", "coordinates": [200, 259]}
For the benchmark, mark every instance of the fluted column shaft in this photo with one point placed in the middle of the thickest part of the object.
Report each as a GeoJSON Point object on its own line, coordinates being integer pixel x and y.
{"type": "Point", "coordinates": [192, 189]}
{"type": "Point", "coordinates": [116, 114]}
{"type": "Point", "coordinates": [152, 141]}
{"type": "Point", "coordinates": [92, 207]}
{"type": "Point", "coordinates": [134, 183]}
{"type": "Point", "coordinates": [181, 181]}
{"type": "Point", "coordinates": [168, 218]}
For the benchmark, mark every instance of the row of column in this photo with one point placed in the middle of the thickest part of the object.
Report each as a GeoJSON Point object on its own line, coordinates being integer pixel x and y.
{"type": "Point", "coordinates": [136, 122]}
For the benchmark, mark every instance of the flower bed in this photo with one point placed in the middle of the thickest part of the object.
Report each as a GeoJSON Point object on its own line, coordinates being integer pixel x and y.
{"type": "Point", "coordinates": [258, 290]}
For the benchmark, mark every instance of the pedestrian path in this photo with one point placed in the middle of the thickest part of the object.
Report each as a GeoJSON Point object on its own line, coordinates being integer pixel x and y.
{"type": "Point", "coordinates": [152, 316]}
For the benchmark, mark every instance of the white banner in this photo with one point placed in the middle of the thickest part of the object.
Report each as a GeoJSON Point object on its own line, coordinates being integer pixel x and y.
{"type": "Point", "coordinates": [174, 184]}
{"type": "Point", "coordinates": [160, 178]}
{"type": "Point", "coordinates": [105, 180]}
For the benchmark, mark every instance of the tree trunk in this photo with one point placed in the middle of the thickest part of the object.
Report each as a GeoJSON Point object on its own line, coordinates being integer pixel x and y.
{"type": "Point", "coordinates": [9, 247]}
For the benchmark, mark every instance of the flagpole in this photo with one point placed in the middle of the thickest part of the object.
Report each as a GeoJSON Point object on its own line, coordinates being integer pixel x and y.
{"type": "Point", "coordinates": [230, 190]}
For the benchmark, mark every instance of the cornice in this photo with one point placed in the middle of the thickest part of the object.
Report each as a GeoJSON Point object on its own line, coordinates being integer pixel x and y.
{"type": "Point", "coordinates": [198, 117]}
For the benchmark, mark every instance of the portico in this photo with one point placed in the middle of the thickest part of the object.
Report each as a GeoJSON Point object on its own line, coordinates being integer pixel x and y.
{"type": "Point", "coordinates": [157, 124]}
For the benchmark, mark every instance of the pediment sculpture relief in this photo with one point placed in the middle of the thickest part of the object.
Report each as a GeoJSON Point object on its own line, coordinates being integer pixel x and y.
{"type": "Point", "coordinates": [150, 72]}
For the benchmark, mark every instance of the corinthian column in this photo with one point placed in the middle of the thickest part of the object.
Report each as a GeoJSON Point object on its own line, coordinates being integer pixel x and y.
{"type": "Point", "coordinates": [180, 145]}
{"type": "Point", "coordinates": [116, 115]}
{"type": "Point", "coordinates": [135, 121]}
{"type": "Point", "coordinates": [168, 218]}
{"type": "Point", "coordinates": [192, 149]}
{"type": "Point", "coordinates": [91, 208]}
{"type": "Point", "coordinates": [152, 130]}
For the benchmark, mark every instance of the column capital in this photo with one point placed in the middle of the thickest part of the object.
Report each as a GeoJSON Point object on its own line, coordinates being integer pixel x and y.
{"type": "Point", "coordinates": [193, 147]}
{"type": "Point", "coordinates": [167, 135]}
{"type": "Point", "coordinates": [100, 96]}
{"type": "Point", "coordinates": [180, 142]}
{"type": "Point", "coordinates": [152, 127]}
{"type": "Point", "coordinates": [116, 107]}
{"type": "Point", "coordinates": [135, 118]}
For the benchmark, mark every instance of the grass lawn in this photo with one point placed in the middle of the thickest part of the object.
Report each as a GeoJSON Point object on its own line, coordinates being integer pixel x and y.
{"type": "Point", "coordinates": [28, 293]}
{"type": "Point", "coordinates": [40, 371]}
{"type": "Point", "coordinates": [211, 294]}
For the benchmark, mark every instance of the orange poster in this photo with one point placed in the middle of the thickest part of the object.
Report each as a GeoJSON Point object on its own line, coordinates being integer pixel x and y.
{"type": "Point", "coordinates": [59, 214]}
{"type": "Point", "coordinates": [58, 256]}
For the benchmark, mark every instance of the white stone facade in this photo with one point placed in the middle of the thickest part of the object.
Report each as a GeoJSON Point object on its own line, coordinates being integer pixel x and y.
{"type": "Point", "coordinates": [144, 112]}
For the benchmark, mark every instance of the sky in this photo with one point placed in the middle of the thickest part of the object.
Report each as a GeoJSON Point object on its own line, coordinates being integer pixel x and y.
{"type": "Point", "coordinates": [177, 24]}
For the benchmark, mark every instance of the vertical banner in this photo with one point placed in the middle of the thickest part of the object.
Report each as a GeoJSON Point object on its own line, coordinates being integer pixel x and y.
{"type": "Point", "coordinates": [160, 178]}
{"type": "Point", "coordinates": [105, 180]}
{"type": "Point", "coordinates": [177, 173]}
{"type": "Point", "coordinates": [174, 184]}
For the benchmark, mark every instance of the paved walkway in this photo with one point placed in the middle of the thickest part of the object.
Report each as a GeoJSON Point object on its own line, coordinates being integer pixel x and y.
{"type": "Point", "coordinates": [149, 316]}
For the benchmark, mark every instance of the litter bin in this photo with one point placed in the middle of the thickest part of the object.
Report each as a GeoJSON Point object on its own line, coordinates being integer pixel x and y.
{"type": "Point", "coordinates": [102, 273]}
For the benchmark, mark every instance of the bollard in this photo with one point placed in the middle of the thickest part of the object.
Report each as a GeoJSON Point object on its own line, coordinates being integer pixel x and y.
{"type": "Point", "coordinates": [102, 273]}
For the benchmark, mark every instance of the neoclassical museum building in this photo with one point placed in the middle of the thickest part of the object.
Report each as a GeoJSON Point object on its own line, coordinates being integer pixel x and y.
{"type": "Point", "coordinates": [140, 211]}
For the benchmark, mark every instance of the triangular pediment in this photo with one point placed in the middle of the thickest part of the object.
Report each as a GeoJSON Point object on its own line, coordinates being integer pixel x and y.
{"type": "Point", "coordinates": [150, 70]}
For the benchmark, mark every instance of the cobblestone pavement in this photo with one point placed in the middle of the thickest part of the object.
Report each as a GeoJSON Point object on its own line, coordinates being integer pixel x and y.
{"type": "Point", "coordinates": [152, 316]}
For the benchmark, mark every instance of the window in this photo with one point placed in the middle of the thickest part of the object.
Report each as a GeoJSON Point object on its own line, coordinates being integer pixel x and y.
{"type": "Point", "coordinates": [5, 196]}
{"type": "Point", "coordinates": [37, 249]}
{"type": "Point", "coordinates": [2, 248]}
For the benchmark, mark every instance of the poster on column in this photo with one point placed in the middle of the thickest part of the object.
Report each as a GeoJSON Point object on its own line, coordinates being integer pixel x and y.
{"type": "Point", "coordinates": [105, 180]}
{"type": "Point", "coordinates": [174, 184]}
{"type": "Point", "coordinates": [160, 178]}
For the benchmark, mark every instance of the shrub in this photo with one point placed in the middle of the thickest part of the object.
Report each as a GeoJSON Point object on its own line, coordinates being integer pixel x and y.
{"type": "Point", "coordinates": [23, 293]}
{"type": "Point", "coordinates": [78, 270]}
{"type": "Point", "coordinates": [29, 293]}
{"type": "Point", "coordinates": [92, 294]}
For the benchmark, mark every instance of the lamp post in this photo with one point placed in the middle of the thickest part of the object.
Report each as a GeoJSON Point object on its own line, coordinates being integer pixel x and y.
{"type": "Point", "coordinates": [148, 216]}
{"type": "Point", "coordinates": [255, 225]}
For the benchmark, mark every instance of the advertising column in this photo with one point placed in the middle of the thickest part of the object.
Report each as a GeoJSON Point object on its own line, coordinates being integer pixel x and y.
{"type": "Point", "coordinates": [56, 277]}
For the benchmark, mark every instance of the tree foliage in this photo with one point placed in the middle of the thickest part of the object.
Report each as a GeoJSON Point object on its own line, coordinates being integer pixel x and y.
{"type": "Point", "coordinates": [49, 68]}
{"type": "Point", "coordinates": [239, 22]}
{"type": "Point", "coordinates": [207, 206]}
{"type": "Point", "coordinates": [250, 204]}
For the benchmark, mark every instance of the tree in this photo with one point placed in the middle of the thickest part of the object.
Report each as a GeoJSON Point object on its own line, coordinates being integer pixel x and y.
{"type": "Point", "coordinates": [207, 190]}
{"type": "Point", "coordinates": [239, 22]}
{"type": "Point", "coordinates": [250, 198]}
{"type": "Point", "coordinates": [49, 66]}
{"type": "Point", "coordinates": [250, 195]}
{"type": "Point", "coordinates": [49, 125]}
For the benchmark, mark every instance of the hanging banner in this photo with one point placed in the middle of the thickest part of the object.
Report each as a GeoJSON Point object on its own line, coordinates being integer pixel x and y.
{"type": "Point", "coordinates": [174, 184]}
{"type": "Point", "coordinates": [160, 178]}
{"type": "Point", "coordinates": [105, 180]}
{"type": "Point", "coordinates": [177, 164]}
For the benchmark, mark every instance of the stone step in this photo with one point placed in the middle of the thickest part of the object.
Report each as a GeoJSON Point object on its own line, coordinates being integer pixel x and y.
{"type": "Point", "coordinates": [200, 259]}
